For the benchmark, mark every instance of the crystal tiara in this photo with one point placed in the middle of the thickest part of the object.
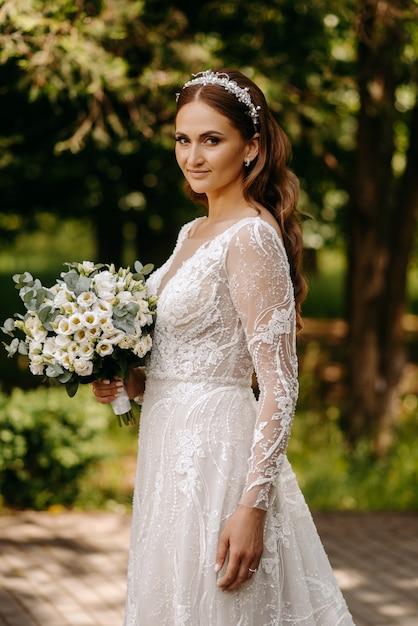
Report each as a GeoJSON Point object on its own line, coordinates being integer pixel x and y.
{"type": "Point", "coordinates": [241, 93]}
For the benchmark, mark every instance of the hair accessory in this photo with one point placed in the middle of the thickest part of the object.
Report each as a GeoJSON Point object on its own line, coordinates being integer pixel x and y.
{"type": "Point", "coordinates": [220, 78]}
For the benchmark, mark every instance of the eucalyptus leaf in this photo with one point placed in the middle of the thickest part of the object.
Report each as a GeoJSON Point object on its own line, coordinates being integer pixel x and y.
{"type": "Point", "coordinates": [8, 326]}
{"type": "Point", "coordinates": [123, 324]}
{"type": "Point", "coordinates": [54, 370]}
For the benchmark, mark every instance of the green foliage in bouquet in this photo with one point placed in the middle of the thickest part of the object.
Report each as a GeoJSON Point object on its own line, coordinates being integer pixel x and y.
{"type": "Point", "coordinates": [47, 445]}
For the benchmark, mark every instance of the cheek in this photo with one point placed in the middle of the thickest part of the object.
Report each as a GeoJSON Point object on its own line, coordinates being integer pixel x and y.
{"type": "Point", "coordinates": [178, 156]}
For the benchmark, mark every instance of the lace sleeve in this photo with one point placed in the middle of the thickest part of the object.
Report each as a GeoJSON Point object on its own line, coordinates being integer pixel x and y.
{"type": "Point", "coordinates": [262, 292]}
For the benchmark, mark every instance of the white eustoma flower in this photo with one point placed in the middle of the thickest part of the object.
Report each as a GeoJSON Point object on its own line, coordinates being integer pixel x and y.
{"type": "Point", "coordinates": [104, 347]}
{"type": "Point", "coordinates": [68, 308]}
{"type": "Point", "coordinates": [50, 346]}
{"type": "Point", "coordinates": [80, 335]}
{"type": "Point", "coordinates": [86, 349]}
{"type": "Point", "coordinates": [115, 337]}
{"type": "Point", "coordinates": [104, 319]}
{"type": "Point", "coordinates": [125, 343]}
{"type": "Point", "coordinates": [86, 299]}
{"type": "Point", "coordinates": [76, 321]}
{"type": "Point", "coordinates": [33, 327]}
{"type": "Point", "coordinates": [63, 359]}
{"type": "Point", "coordinates": [105, 285]}
{"type": "Point", "coordinates": [90, 319]}
{"type": "Point", "coordinates": [86, 267]}
{"type": "Point", "coordinates": [73, 350]}
{"type": "Point", "coordinates": [62, 341]}
{"type": "Point", "coordinates": [103, 306]}
{"type": "Point", "coordinates": [35, 347]}
{"type": "Point", "coordinates": [93, 333]}
{"type": "Point", "coordinates": [36, 365]}
{"type": "Point", "coordinates": [63, 296]}
{"type": "Point", "coordinates": [64, 326]}
{"type": "Point", "coordinates": [83, 367]}
{"type": "Point", "coordinates": [124, 297]}
{"type": "Point", "coordinates": [143, 346]}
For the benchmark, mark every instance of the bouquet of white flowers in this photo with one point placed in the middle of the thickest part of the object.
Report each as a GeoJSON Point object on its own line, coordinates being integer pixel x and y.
{"type": "Point", "coordinates": [93, 323]}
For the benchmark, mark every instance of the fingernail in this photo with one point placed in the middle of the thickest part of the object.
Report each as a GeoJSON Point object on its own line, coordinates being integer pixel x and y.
{"type": "Point", "coordinates": [119, 383]}
{"type": "Point", "coordinates": [217, 568]}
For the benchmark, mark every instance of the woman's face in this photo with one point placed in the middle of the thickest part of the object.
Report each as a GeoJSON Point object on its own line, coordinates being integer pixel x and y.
{"type": "Point", "coordinates": [210, 150]}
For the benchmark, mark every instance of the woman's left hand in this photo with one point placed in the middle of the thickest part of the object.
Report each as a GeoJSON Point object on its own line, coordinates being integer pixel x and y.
{"type": "Point", "coordinates": [242, 541]}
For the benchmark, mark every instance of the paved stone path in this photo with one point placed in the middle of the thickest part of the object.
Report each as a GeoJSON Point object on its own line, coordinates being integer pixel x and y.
{"type": "Point", "coordinates": [69, 569]}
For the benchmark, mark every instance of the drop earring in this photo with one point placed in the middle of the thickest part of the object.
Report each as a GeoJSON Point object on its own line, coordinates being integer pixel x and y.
{"type": "Point", "coordinates": [247, 162]}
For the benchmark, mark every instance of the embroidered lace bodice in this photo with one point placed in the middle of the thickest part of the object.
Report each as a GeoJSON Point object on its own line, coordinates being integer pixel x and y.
{"type": "Point", "coordinates": [226, 309]}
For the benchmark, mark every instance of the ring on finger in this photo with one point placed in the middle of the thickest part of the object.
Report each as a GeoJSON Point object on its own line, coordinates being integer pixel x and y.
{"type": "Point", "coordinates": [253, 571]}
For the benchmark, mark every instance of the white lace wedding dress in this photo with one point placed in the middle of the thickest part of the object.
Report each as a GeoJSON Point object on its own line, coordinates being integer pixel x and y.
{"type": "Point", "coordinates": [225, 308]}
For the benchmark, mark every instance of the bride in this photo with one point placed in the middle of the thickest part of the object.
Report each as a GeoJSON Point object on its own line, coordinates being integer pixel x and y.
{"type": "Point", "coordinates": [221, 534]}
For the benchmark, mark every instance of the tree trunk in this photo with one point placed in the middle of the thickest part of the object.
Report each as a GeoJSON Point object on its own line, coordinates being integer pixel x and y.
{"type": "Point", "coordinates": [382, 222]}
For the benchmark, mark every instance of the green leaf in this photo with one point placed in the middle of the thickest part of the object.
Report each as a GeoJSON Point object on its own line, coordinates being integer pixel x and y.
{"type": "Point", "coordinates": [72, 387]}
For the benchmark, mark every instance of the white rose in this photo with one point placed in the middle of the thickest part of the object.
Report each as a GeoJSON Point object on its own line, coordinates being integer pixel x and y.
{"type": "Point", "coordinates": [83, 367]}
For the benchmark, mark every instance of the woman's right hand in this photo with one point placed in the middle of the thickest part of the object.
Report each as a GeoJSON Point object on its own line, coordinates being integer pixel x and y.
{"type": "Point", "coordinates": [107, 390]}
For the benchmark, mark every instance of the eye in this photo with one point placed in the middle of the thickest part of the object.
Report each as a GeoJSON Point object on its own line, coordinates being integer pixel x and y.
{"type": "Point", "coordinates": [181, 140]}
{"type": "Point", "coordinates": [212, 141]}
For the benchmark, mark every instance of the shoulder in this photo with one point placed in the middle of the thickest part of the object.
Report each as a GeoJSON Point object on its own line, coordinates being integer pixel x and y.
{"type": "Point", "coordinates": [256, 230]}
{"type": "Point", "coordinates": [186, 228]}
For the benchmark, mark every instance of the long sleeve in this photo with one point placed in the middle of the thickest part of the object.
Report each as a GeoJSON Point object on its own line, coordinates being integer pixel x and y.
{"type": "Point", "coordinates": [262, 293]}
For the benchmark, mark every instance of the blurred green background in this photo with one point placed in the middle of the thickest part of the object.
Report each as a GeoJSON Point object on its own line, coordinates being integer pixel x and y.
{"type": "Point", "coordinates": [87, 172]}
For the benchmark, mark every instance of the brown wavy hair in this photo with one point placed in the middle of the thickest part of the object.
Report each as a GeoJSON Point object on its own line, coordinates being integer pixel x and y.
{"type": "Point", "coordinates": [268, 180]}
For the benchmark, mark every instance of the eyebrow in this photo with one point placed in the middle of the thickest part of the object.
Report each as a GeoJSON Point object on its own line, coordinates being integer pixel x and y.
{"type": "Point", "coordinates": [202, 135]}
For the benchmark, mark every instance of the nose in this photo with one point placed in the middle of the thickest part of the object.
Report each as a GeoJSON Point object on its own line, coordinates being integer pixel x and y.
{"type": "Point", "coordinates": [195, 156]}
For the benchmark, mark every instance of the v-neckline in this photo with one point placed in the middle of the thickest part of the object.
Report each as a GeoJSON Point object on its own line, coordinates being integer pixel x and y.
{"type": "Point", "coordinates": [204, 243]}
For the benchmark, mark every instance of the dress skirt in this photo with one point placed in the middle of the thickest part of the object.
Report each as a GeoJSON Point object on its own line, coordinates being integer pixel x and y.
{"type": "Point", "coordinates": [194, 443]}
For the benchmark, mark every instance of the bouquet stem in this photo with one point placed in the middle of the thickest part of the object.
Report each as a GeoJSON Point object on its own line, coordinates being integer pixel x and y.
{"type": "Point", "coordinates": [122, 408]}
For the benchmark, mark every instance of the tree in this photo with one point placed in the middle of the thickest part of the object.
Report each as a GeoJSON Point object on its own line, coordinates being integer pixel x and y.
{"type": "Point", "coordinates": [87, 101]}
{"type": "Point", "coordinates": [382, 216]}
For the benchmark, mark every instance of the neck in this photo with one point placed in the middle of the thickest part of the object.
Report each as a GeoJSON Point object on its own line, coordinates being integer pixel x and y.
{"type": "Point", "coordinates": [227, 206]}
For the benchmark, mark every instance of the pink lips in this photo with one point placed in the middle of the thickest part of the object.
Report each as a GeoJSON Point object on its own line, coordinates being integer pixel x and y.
{"type": "Point", "coordinates": [197, 173]}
